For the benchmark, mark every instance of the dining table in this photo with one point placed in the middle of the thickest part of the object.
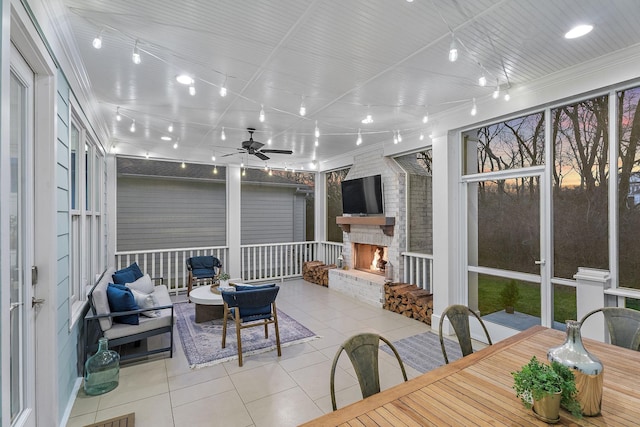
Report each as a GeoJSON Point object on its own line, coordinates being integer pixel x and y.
{"type": "Point", "coordinates": [477, 390]}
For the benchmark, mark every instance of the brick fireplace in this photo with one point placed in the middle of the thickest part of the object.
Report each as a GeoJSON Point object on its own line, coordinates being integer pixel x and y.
{"type": "Point", "coordinates": [370, 258]}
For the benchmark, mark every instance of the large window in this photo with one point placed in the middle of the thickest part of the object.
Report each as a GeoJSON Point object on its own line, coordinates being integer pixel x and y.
{"type": "Point", "coordinates": [334, 203]}
{"type": "Point", "coordinates": [88, 184]}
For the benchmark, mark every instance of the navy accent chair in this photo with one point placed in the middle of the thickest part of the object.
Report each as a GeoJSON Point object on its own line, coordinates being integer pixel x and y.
{"type": "Point", "coordinates": [202, 269]}
{"type": "Point", "coordinates": [251, 308]}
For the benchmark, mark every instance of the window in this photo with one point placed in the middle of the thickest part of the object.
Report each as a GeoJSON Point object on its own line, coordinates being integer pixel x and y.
{"type": "Point", "coordinates": [88, 183]}
{"type": "Point", "coordinates": [334, 203]}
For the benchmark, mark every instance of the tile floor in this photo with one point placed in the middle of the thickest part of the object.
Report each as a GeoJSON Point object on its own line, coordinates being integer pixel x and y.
{"type": "Point", "coordinates": [268, 390]}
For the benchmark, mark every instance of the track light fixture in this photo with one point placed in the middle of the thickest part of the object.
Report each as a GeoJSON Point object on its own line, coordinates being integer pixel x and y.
{"type": "Point", "coordinates": [244, 171]}
{"type": "Point", "coordinates": [395, 137]}
{"type": "Point", "coordinates": [425, 118]}
{"type": "Point", "coordinates": [269, 141]}
{"type": "Point", "coordinates": [506, 95]}
{"type": "Point", "coordinates": [135, 57]}
{"type": "Point", "coordinates": [223, 136]}
{"type": "Point", "coordinates": [317, 131]}
{"type": "Point", "coordinates": [118, 116]}
{"type": "Point", "coordinates": [421, 136]}
{"type": "Point", "coordinates": [261, 117]}
{"type": "Point", "coordinates": [316, 143]}
{"type": "Point", "coordinates": [183, 165]}
{"type": "Point", "coordinates": [213, 157]}
{"type": "Point", "coordinates": [215, 170]}
{"type": "Point", "coordinates": [482, 81]}
{"type": "Point", "coordinates": [192, 90]}
{"type": "Point", "coordinates": [474, 109]}
{"type": "Point", "coordinates": [146, 155]}
{"type": "Point", "coordinates": [133, 126]}
{"type": "Point", "coordinates": [453, 49]}
{"type": "Point", "coordinates": [175, 144]}
{"type": "Point", "coordinates": [359, 140]}
{"type": "Point", "coordinates": [496, 92]}
{"type": "Point", "coordinates": [170, 127]}
{"type": "Point", "coordinates": [399, 136]}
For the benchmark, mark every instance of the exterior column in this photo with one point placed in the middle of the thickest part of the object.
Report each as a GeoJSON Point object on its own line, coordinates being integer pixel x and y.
{"type": "Point", "coordinates": [234, 221]}
{"type": "Point", "coordinates": [320, 208]}
{"type": "Point", "coordinates": [591, 283]}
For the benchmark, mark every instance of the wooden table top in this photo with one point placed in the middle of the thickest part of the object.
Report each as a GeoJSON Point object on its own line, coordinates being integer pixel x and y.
{"type": "Point", "coordinates": [477, 390]}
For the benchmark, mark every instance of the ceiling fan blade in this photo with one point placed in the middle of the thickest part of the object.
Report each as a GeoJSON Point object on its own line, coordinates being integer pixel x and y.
{"type": "Point", "coordinates": [268, 150]}
{"type": "Point", "coordinates": [261, 156]}
{"type": "Point", "coordinates": [230, 154]}
{"type": "Point", "coordinates": [255, 145]}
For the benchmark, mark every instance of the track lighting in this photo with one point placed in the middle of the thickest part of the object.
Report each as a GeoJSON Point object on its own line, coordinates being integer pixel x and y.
{"type": "Point", "coordinates": [317, 131]}
{"type": "Point", "coordinates": [133, 126]}
{"type": "Point", "coordinates": [118, 116]}
{"type": "Point", "coordinates": [170, 127]}
{"type": "Point", "coordinates": [425, 118]}
{"type": "Point", "coordinates": [223, 136]}
{"type": "Point", "coordinates": [359, 140]}
{"type": "Point", "coordinates": [135, 57]}
{"type": "Point", "coordinates": [482, 81]}
{"type": "Point", "coordinates": [183, 165]}
{"type": "Point", "coordinates": [261, 117]}
{"type": "Point", "coordinates": [453, 49]}
{"type": "Point", "coordinates": [97, 41]}
{"type": "Point", "coordinates": [421, 136]}
{"type": "Point", "coordinates": [395, 137]}
{"type": "Point", "coordinates": [367, 120]}
{"type": "Point", "coordinates": [269, 141]}
{"type": "Point", "coordinates": [244, 171]}
{"type": "Point", "coordinates": [399, 137]}
{"type": "Point", "coordinates": [266, 168]}
{"type": "Point", "coordinates": [507, 96]}
{"type": "Point", "coordinates": [316, 143]}
{"type": "Point", "coordinates": [496, 92]}
{"type": "Point", "coordinates": [215, 170]}
{"type": "Point", "coordinates": [270, 172]}
{"type": "Point", "coordinates": [303, 109]}
{"type": "Point", "coordinates": [474, 109]}
{"type": "Point", "coordinates": [192, 90]}
{"type": "Point", "coordinates": [241, 164]}
{"type": "Point", "coordinates": [175, 144]}
{"type": "Point", "coordinates": [146, 155]}
{"type": "Point", "coordinates": [213, 157]}
{"type": "Point", "coordinates": [223, 88]}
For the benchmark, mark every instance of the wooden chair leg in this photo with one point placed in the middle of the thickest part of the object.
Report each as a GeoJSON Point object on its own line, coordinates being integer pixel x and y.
{"type": "Point", "coordinates": [189, 285]}
{"type": "Point", "coordinates": [225, 310]}
{"type": "Point", "coordinates": [275, 322]}
{"type": "Point", "coordinates": [266, 330]}
{"type": "Point", "coordinates": [238, 336]}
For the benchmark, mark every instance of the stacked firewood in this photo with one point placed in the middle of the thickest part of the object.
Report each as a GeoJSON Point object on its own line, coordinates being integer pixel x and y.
{"type": "Point", "coordinates": [409, 300]}
{"type": "Point", "coordinates": [316, 272]}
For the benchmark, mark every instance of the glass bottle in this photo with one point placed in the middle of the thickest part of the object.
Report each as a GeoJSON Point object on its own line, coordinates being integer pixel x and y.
{"type": "Point", "coordinates": [587, 368]}
{"type": "Point", "coordinates": [102, 370]}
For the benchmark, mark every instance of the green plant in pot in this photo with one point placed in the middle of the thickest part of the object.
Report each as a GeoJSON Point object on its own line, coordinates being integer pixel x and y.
{"type": "Point", "coordinates": [224, 279]}
{"type": "Point", "coordinates": [547, 387]}
{"type": "Point", "coordinates": [509, 296]}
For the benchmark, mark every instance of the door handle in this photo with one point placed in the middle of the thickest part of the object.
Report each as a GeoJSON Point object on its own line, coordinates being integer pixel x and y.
{"type": "Point", "coordinates": [540, 262]}
{"type": "Point", "coordinates": [36, 301]}
{"type": "Point", "coordinates": [34, 275]}
{"type": "Point", "coordinates": [14, 305]}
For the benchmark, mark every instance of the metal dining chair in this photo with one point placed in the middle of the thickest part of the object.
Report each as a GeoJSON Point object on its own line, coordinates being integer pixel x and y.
{"type": "Point", "coordinates": [623, 325]}
{"type": "Point", "coordinates": [458, 316]}
{"type": "Point", "coordinates": [362, 350]}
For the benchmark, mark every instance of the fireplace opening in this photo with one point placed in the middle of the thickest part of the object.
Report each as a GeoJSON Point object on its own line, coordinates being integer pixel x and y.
{"type": "Point", "coordinates": [370, 258]}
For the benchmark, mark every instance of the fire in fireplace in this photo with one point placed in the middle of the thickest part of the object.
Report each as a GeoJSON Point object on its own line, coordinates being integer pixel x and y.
{"type": "Point", "coordinates": [370, 258]}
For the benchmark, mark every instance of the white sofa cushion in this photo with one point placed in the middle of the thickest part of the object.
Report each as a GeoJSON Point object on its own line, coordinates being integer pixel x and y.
{"type": "Point", "coordinates": [147, 301]}
{"type": "Point", "coordinates": [143, 285]}
{"type": "Point", "coordinates": [100, 301]}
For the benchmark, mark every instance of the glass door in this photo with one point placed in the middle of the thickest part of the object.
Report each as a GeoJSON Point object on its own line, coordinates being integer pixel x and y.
{"type": "Point", "coordinates": [22, 320]}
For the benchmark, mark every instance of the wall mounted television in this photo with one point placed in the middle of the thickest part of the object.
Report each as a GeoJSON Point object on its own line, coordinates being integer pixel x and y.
{"type": "Point", "coordinates": [362, 196]}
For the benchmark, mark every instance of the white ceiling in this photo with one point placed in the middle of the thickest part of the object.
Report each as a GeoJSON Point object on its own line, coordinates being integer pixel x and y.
{"type": "Point", "coordinates": [347, 58]}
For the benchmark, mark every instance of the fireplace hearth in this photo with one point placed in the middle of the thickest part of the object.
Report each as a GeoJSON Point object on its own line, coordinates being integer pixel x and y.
{"type": "Point", "coordinates": [370, 258]}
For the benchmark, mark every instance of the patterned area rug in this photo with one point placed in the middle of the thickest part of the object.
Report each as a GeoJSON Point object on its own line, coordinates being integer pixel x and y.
{"type": "Point", "coordinates": [202, 342]}
{"type": "Point", "coordinates": [423, 353]}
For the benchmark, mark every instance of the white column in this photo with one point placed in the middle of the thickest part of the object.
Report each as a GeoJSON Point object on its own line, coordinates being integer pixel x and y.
{"type": "Point", "coordinates": [233, 220]}
{"type": "Point", "coordinates": [446, 276]}
{"type": "Point", "coordinates": [589, 296]}
{"type": "Point", "coordinates": [320, 207]}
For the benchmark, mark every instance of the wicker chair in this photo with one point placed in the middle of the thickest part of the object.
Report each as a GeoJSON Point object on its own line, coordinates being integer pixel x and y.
{"type": "Point", "coordinates": [362, 350]}
{"type": "Point", "coordinates": [247, 307]}
{"type": "Point", "coordinates": [623, 325]}
{"type": "Point", "coordinates": [458, 316]}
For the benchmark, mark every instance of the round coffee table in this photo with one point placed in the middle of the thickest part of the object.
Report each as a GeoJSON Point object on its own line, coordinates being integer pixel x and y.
{"type": "Point", "coordinates": [209, 306]}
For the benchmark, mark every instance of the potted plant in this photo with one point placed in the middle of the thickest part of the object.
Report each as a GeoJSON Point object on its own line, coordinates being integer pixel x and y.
{"type": "Point", "coordinates": [509, 296]}
{"type": "Point", "coordinates": [224, 279]}
{"type": "Point", "coordinates": [547, 387]}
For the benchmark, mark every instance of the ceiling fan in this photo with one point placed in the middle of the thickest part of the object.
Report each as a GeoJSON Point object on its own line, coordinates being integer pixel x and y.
{"type": "Point", "coordinates": [255, 148]}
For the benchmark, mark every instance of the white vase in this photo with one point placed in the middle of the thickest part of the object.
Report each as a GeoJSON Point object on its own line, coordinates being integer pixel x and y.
{"type": "Point", "coordinates": [224, 283]}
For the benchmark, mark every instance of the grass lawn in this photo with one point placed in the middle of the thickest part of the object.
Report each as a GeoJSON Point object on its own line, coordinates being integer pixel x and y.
{"type": "Point", "coordinates": [490, 287]}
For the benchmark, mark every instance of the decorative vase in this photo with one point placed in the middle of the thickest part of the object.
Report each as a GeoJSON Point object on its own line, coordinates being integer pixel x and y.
{"type": "Point", "coordinates": [102, 370]}
{"type": "Point", "coordinates": [224, 283]}
{"type": "Point", "coordinates": [587, 368]}
{"type": "Point", "coordinates": [548, 408]}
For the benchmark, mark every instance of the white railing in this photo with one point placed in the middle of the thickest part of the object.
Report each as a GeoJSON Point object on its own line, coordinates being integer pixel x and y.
{"type": "Point", "coordinates": [418, 269]}
{"type": "Point", "coordinates": [170, 264]}
{"type": "Point", "coordinates": [258, 262]}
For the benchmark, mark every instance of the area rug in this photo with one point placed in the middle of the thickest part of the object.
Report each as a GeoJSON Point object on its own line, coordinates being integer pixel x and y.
{"type": "Point", "coordinates": [202, 342]}
{"type": "Point", "coordinates": [423, 352]}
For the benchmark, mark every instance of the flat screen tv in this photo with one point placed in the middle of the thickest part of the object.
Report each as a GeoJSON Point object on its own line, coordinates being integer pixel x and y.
{"type": "Point", "coordinates": [362, 196]}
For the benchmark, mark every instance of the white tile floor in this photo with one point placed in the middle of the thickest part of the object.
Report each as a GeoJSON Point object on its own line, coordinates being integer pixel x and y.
{"type": "Point", "coordinates": [268, 390]}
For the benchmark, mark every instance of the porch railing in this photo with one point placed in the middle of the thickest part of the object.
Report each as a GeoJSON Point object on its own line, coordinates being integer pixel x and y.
{"type": "Point", "coordinates": [258, 262]}
{"type": "Point", "coordinates": [418, 269]}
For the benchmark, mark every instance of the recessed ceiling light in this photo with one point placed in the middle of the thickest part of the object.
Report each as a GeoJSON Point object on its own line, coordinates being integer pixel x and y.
{"type": "Point", "coordinates": [578, 31]}
{"type": "Point", "coordinates": [184, 79]}
{"type": "Point", "coordinates": [165, 138]}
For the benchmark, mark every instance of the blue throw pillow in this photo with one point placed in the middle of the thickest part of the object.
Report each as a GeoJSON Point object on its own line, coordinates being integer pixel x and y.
{"type": "Point", "coordinates": [121, 299]}
{"type": "Point", "coordinates": [134, 269]}
{"type": "Point", "coordinates": [123, 276]}
{"type": "Point", "coordinates": [253, 287]}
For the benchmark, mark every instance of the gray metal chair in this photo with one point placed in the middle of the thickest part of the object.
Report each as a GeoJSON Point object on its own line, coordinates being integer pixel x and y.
{"type": "Point", "coordinates": [458, 316]}
{"type": "Point", "coordinates": [623, 325]}
{"type": "Point", "coordinates": [362, 350]}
